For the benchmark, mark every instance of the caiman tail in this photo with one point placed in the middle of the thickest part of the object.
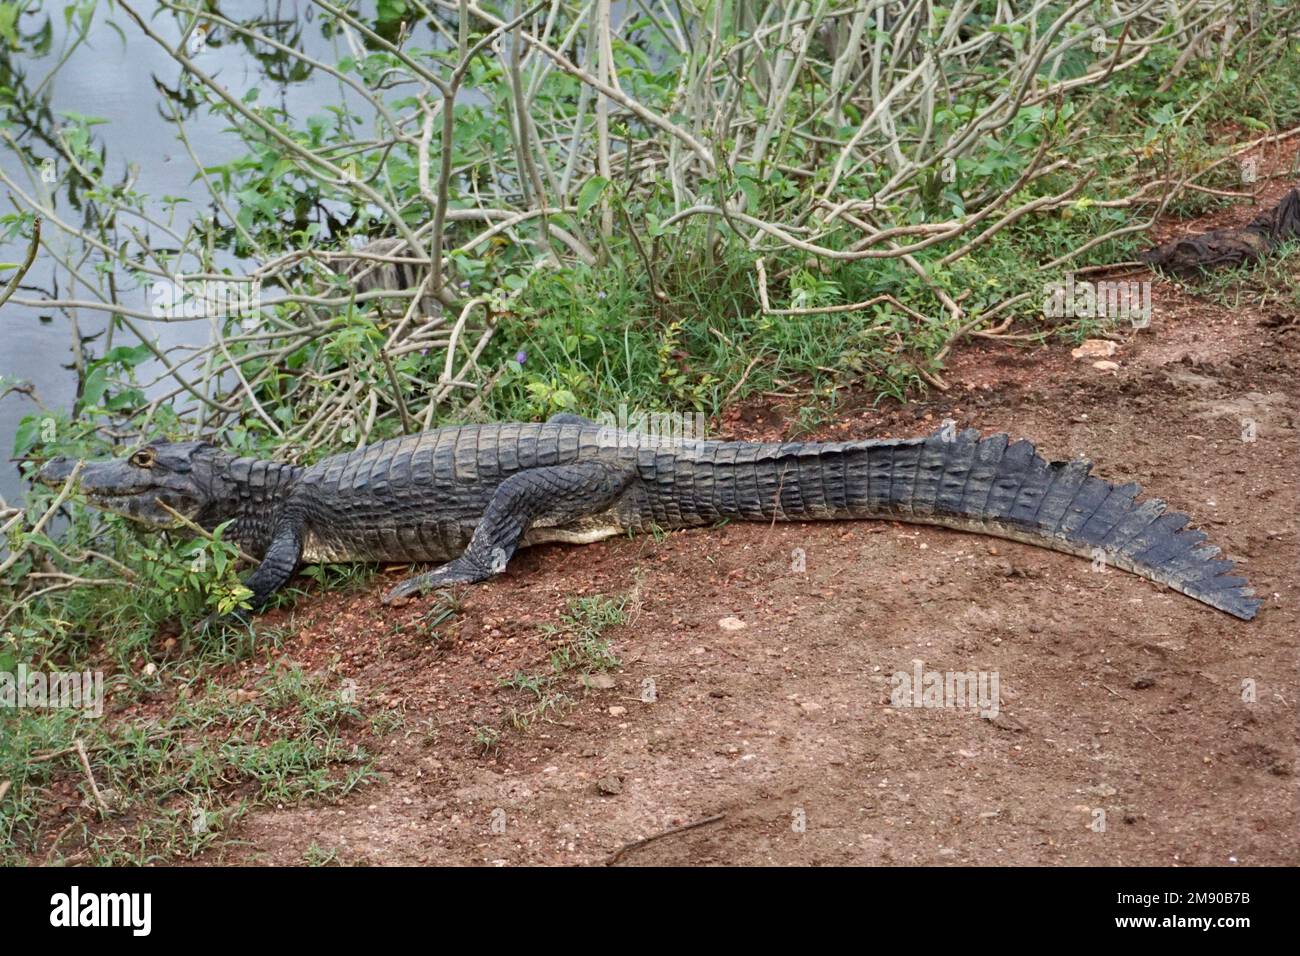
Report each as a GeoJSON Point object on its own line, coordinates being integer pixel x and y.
{"type": "Point", "coordinates": [985, 485]}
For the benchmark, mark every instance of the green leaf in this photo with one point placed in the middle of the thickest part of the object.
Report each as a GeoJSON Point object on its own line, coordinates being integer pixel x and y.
{"type": "Point", "coordinates": [128, 356]}
{"type": "Point", "coordinates": [590, 193]}
{"type": "Point", "coordinates": [29, 429]}
{"type": "Point", "coordinates": [8, 18]}
{"type": "Point", "coordinates": [96, 384]}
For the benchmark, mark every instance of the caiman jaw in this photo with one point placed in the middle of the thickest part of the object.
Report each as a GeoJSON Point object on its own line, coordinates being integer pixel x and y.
{"type": "Point", "coordinates": [141, 487]}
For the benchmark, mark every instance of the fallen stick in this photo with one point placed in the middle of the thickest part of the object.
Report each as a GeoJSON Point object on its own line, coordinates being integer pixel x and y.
{"type": "Point", "coordinates": [94, 787]}
{"type": "Point", "coordinates": [637, 844]}
{"type": "Point", "coordinates": [52, 754]}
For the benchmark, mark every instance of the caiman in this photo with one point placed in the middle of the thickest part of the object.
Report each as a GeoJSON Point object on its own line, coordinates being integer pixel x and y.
{"type": "Point", "coordinates": [469, 496]}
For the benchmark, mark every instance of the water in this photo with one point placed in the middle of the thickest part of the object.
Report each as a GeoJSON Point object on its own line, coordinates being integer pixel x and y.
{"type": "Point", "coordinates": [117, 81]}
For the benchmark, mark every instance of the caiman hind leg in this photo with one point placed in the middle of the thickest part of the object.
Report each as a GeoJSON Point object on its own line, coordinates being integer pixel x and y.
{"type": "Point", "coordinates": [557, 495]}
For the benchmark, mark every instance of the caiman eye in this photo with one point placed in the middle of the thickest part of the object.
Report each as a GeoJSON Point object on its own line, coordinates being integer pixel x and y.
{"type": "Point", "coordinates": [144, 458]}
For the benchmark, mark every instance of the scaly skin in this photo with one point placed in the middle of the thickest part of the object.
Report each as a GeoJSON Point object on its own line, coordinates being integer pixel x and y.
{"type": "Point", "coordinates": [471, 495]}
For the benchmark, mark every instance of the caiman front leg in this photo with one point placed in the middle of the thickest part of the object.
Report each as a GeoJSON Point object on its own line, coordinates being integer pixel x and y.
{"type": "Point", "coordinates": [279, 563]}
{"type": "Point", "coordinates": [560, 494]}
{"type": "Point", "coordinates": [277, 567]}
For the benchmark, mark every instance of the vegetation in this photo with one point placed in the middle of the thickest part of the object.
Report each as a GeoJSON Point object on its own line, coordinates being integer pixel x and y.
{"type": "Point", "coordinates": [168, 787]}
{"type": "Point", "coordinates": [579, 647]}
{"type": "Point", "coordinates": [512, 210]}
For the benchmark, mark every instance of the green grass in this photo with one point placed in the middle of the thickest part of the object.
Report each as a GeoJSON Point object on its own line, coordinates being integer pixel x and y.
{"type": "Point", "coordinates": [580, 647]}
{"type": "Point", "coordinates": [432, 624]}
{"type": "Point", "coordinates": [316, 855]}
{"type": "Point", "coordinates": [173, 787]}
{"type": "Point", "coordinates": [1273, 283]}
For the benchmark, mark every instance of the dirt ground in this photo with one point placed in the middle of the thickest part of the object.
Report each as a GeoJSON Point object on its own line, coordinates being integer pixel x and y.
{"type": "Point", "coordinates": [1116, 695]}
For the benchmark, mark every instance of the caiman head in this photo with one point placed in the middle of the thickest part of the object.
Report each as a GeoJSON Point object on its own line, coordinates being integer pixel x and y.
{"type": "Point", "coordinates": [142, 486]}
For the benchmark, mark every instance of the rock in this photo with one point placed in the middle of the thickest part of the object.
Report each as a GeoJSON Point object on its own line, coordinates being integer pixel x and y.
{"type": "Point", "coordinates": [732, 624]}
{"type": "Point", "coordinates": [1094, 349]}
{"type": "Point", "coordinates": [609, 785]}
{"type": "Point", "coordinates": [1143, 681]}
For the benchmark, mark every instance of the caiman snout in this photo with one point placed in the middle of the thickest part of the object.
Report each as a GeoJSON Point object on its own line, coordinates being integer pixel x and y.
{"type": "Point", "coordinates": [149, 485]}
{"type": "Point", "coordinates": [56, 470]}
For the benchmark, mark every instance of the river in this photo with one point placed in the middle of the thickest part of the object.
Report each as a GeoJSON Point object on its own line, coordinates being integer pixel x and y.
{"type": "Point", "coordinates": [116, 78]}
